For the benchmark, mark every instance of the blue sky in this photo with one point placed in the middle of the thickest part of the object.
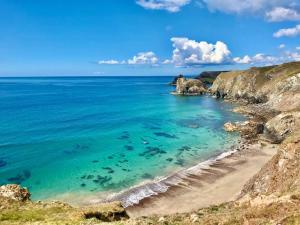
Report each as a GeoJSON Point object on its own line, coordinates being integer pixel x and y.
{"type": "Point", "coordinates": [145, 37]}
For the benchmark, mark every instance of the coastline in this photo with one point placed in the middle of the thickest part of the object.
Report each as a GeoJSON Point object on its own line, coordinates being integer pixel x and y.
{"type": "Point", "coordinates": [140, 192]}
{"type": "Point", "coordinates": [217, 180]}
{"type": "Point", "coordinates": [210, 183]}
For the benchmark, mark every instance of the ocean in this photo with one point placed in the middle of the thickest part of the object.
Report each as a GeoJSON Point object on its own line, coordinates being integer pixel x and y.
{"type": "Point", "coordinates": [93, 135]}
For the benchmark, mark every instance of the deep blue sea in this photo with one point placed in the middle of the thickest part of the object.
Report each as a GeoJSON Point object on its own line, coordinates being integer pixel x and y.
{"type": "Point", "coordinates": [103, 134]}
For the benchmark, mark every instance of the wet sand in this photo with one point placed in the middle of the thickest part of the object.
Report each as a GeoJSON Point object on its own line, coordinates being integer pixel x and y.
{"type": "Point", "coordinates": [215, 184]}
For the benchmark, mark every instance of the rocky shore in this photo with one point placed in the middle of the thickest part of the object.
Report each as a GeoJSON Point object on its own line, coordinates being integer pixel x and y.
{"type": "Point", "coordinates": [265, 170]}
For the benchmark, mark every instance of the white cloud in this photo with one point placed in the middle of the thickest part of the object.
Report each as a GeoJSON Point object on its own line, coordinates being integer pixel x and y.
{"type": "Point", "coordinates": [144, 58]}
{"type": "Point", "coordinates": [238, 6]}
{"type": "Point", "coordinates": [109, 62]}
{"type": "Point", "coordinates": [191, 53]}
{"type": "Point", "coordinates": [281, 46]}
{"type": "Point", "coordinates": [278, 14]}
{"type": "Point", "coordinates": [141, 58]}
{"type": "Point", "coordinates": [289, 32]}
{"type": "Point", "coordinates": [258, 59]}
{"type": "Point", "coordinates": [293, 56]}
{"type": "Point", "coordinates": [273, 10]}
{"type": "Point", "coordinates": [244, 60]}
{"type": "Point", "coordinates": [298, 48]}
{"type": "Point", "coordinates": [167, 61]}
{"type": "Point", "coordinates": [263, 59]}
{"type": "Point", "coordinates": [169, 5]}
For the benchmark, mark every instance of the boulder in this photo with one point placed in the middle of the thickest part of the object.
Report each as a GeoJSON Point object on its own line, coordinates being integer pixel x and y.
{"type": "Point", "coordinates": [14, 192]}
{"type": "Point", "coordinates": [230, 127]}
{"type": "Point", "coordinates": [282, 125]}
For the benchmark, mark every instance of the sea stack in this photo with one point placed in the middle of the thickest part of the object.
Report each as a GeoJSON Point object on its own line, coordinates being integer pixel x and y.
{"type": "Point", "coordinates": [189, 87]}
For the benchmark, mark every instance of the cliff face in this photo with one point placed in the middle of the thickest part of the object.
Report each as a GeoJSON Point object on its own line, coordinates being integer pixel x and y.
{"type": "Point", "coordinates": [277, 85]}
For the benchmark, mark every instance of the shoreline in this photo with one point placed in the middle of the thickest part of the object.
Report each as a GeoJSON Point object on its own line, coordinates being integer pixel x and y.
{"type": "Point", "coordinates": [136, 194]}
{"type": "Point", "coordinates": [217, 182]}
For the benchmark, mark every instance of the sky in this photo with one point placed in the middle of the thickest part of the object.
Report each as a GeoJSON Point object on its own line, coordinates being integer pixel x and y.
{"type": "Point", "coordinates": [145, 37]}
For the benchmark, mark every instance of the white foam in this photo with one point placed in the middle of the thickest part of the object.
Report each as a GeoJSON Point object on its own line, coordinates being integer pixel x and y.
{"type": "Point", "coordinates": [160, 185]}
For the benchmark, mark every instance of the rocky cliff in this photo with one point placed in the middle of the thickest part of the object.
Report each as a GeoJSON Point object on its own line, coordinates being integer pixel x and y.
{"type": "Point", "coordinates": [277, 85]}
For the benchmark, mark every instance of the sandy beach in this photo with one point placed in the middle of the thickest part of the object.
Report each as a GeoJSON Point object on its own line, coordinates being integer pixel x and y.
{"type": "Point", "coordinates": [218, 183]}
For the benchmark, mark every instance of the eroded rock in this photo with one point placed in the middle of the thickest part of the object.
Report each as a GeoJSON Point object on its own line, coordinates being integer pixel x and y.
{"type": "Point", "coordinates": [189, 87]}
{"type": "Point", "coordinates": [282, 125]}
{"type": "Point", "coordinates": [230, 127]}
{"type": "Point", "coordinates": [14, 192]}
{"type": "Point", "coordinates": [108, 212]}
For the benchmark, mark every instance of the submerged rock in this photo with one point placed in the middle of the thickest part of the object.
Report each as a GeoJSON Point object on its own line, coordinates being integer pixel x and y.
{"type": "Point", "coordinates": [152, 151]}
{"type": "Point", "coordinates": [3, 163]}
{"type": "Point", "coordinates": [162, 134]}
{"type": "Point", "coordinates": [14, 192]}
{"type": "Point", "coordinates": [21, 177]}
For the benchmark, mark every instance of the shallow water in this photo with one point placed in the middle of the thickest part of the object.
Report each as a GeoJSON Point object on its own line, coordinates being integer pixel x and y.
{"type": "Point", "coordinates": [91, 135]}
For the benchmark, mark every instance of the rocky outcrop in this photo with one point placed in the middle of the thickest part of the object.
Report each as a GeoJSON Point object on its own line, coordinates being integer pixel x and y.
{"type": "Point", "coordinates": [248, 129]}
{"type": "Point", "coordinates": [106, 212]}
{"type": "Point", "coordinates": [16, 208]}
{"type": "Point", "coordinates": [14, 192]}
{"type": "Point", "coordinates": [189, 87]}
{"type": "Point", "coordinates": [174, 82]}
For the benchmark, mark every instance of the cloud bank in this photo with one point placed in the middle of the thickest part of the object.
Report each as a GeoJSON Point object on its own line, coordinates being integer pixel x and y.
{"type": "Point", "coordinates": [191, 53]}
{"type": "Point", "coordinates": [142, 58]}
{"type": "Point", "coordinates": [272, 10]}
{"type": "Point", "coordinates": [263, 59]}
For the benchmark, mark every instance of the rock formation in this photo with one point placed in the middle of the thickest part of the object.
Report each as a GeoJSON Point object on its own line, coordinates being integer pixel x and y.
{"type": "Point", "coordinates": [189, 87]}
{"type": "Point", "coordinates": [174, 82]}
{"type": "Point", "coordinates": [14, 192]}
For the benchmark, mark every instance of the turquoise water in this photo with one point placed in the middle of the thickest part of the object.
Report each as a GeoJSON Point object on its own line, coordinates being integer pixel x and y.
{"type": "Point", "coordinates": [93, 135]}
